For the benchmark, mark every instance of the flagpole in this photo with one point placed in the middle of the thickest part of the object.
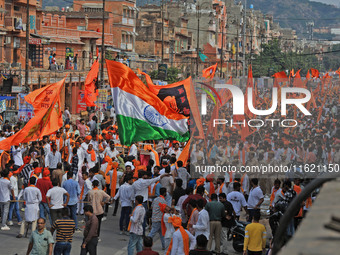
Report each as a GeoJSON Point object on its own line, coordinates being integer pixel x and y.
{"type": "Point", "coordinates": [102, 80]}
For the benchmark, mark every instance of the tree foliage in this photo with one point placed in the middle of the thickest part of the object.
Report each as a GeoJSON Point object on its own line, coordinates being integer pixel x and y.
{"type": "Point", "coordinates": [272, 59]}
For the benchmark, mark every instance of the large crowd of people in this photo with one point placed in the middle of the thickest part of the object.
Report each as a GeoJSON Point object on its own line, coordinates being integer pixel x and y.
{"type": "Point", "coordinates": [79, 170]}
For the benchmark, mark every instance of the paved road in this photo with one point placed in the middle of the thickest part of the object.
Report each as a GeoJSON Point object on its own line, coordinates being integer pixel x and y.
{"type": "Point", "coordinates": [111, 242]}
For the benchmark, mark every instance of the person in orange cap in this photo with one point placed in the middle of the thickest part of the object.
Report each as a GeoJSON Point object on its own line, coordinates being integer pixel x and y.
{"type": "Point", "coordinates": [182, 240]}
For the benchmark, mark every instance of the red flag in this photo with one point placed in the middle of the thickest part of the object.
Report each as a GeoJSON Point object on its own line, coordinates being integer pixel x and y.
{"type": "Point", "coordinates": [46, 121]}
{"type": "Point", "coordinates": [315, 73]}
{"type": "Point", "coordinates": [279, 77]}
{"type": "Point", "coordinates": [209, 72]}
{"type": "Point", "coordinates": [90, 85]}
{"type": "Point", "coordinates": [338, 72]}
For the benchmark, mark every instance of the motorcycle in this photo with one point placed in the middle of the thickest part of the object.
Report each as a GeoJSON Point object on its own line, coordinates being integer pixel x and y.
{"type": "Point", "coordinates": [236, 234]}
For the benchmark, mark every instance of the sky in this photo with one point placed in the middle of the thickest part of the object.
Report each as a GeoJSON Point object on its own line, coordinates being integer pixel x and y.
{"type": "Point", "coordinates": [333, 2]}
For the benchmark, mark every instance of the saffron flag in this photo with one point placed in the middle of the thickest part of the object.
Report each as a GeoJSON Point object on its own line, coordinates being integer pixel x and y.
{"type": "Point", "coordinates": [184, 156]}
{"type": "Point", "coordinates": [141, 115]}
{"type": "Point", "coordinates": [149, 81]}
{"type": "Point", "coordinates": [338, 72]}
{"type": "Point", "coordinates": [46, 121]}
{"type": "Point", "coordinates": [181, 98]}
{"type": "Point", "coordinates": [42, 99]}
{"type": "Point", "coordinates": [308, 75]}
{"type": "Point", "coordinates": [209, 72]}
{"type": "Point", "coordinates": [279, 77]}
{"type": "Point", "coordinates": [315, 73]}
{"type": "Point", "coordinates": [90, 85]}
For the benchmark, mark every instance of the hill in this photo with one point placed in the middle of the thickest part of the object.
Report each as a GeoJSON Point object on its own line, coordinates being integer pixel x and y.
{"type": "Point", "coordinates": [59, 3]}
{"type": "Point", "coordinates": [295, 13]}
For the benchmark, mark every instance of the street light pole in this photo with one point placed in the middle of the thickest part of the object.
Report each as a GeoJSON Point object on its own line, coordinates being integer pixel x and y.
{"type": "Point", "coordinates": [162, 32]}
{"type": "Point", "coordinates": [222, 27]}
{"type": "Point", "coordinates": [198, 37]}
{"type": "Point", "coordinates": [102, 79]}
{"type": "Point", "coordinates": [244, 38]}
{"type": "Point", "coordinates": [27, 44]}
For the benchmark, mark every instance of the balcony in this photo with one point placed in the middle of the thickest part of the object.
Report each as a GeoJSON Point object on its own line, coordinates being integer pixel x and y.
{"type": "Point", "coordinates": [66, 33]}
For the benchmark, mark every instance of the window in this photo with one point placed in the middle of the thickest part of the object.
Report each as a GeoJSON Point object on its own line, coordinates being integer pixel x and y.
{"type": "Point", "coordinates": [16, 8]}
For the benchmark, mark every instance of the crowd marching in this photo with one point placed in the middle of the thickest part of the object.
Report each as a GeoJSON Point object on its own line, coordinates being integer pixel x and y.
{"type": "Point", "coordinates": [82, 168]}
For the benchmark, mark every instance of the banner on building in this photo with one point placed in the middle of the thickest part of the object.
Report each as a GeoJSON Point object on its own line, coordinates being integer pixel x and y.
{"type": "Point", "coordinates": [25, 110]}
{"type": "Point", "coordinates": [81, 105]}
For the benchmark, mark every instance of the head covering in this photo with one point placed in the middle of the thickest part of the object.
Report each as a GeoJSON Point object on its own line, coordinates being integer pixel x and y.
{"type": "Point", "coordinates": [200, 181]}
{"type": "Point", "coordinates": [176, 221]}
{"type": "Point", "coordinates": [46, 172]}
{"type": "Point", "coordinates": [27, 159]}
{"type": "Point", "coordinates": [88, 137]}
{"type": "Point", "coordinates": [210, 177]}
{"type": "Point", "coordinates": [38, 170]}
{"type": "Point", "coordinates": [67, 126]}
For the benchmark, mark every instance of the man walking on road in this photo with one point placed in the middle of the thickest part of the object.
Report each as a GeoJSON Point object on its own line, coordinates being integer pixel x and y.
{"type": "Point", "coordinates": [65, 229]}
{"type": "Point", "coordinates": [255, 237]}
{"type": "Point", "coordinates": [72, 188]}
{"type": "Point", "coordinates": [32, 197]}
{"type": "Point", "coordinates": [216, 214]}
{"type": "Point", "coordinates": [136, 227]}
{"type": "Point", "coordinates": [90, 240]}
{"type": "Point", "coordinates": [55, 200]}
{"type": "Point", "coordinates": [41, 240]}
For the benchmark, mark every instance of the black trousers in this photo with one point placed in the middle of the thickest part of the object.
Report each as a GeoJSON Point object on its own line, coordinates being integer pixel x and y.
{"type": "Point", "coordinates": [99, 217]}
{"type": "Point", "coordinates": [254, 252]}
{"type": "Point", "coordinates": [91, 247]}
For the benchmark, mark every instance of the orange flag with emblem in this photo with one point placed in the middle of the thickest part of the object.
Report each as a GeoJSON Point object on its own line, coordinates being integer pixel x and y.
{"type": "Point", "coordinates": [209, 72]}
{"type": "Point", "coordinates": [149, 81]}
{"type": "Point", "coordinates": [47, 119]}
{"type": "Point", "coordinates": [90, 85]}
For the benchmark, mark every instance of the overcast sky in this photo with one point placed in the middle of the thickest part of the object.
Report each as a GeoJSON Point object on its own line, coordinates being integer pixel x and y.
{"type": "Point", "coordinates": [334, 2]}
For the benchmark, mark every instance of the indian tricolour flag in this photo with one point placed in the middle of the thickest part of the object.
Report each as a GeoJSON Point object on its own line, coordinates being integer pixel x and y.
{"type": "Point", "coordinates": [141, 115]}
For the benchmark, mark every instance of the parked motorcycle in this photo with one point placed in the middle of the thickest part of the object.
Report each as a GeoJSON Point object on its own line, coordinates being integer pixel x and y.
{"type": "Point", "coordinates": [236, 234]}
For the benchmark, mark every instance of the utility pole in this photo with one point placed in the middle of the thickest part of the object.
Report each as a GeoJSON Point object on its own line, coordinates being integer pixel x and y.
{"type": "Point", "coordinates": [222, 27]}
{"type": "Point", "coordinates": [244, 38]}
{"type": "Point", "coordinates": [102, 79]}
{"type": "Point", "coordinates": [27, 44]}
{"type": "Point", "coordinates": [237, 49]}
{"type": "Point", "coordinates": [198, 37]}
{"type": "Point", "coordinates": [162, 32]}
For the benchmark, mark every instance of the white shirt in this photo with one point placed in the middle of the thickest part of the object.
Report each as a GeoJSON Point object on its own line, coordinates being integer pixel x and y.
{"type": "Point", "coordinates": [202, 225]}
{"type": "Point", "coordinates": [255, 195]}
{"type": "Point", "coordinates": [32, 196]}
{"type": "Point", "coordinates": [184, 175]}
{"type": "Point", "coordinates": [17, 155]}
{"type": "Point", "coordinates": [169, 227]}
{"type": "Point", "coordinates": [177, 243]}
{"type": "Point", "coordinates": [87, 187]}
{"type": "Point", "coordinates": [111, 153]}
{"type": "Point", "coordinates": [56, 195]}
{"type": "Point", "coordinates": [238, 201]}
{"type": "Point", "coordinates": [47, 149]}
{"type": "Point", "coordinates": [14, 183]}
{"type": "Point", "coordinates": [53, 159]}
{"type": "Point", "coordinates": [173, 151]}
{"type": "Point", "coordinates": [133, 151]}
{"type": "Point", "coordinates": [224, 189]}
{"type": "Point", "coordinates": [5, 190]}
{"type": "Point", "coordinates": [126, 194]}
{"type": "Point", "coordinates": [137, 219]}
{"type": "Point", "coordinates": [141, 187]}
